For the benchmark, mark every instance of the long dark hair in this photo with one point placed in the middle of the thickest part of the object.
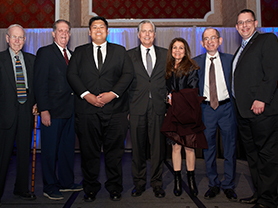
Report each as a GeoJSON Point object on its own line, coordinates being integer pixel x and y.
{"type": "Point", "coordinates": [185, 66]}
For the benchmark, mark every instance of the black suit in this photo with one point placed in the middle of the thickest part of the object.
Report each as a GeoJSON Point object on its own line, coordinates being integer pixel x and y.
{"type": "Point", "coordinates": [147, 115]}
{"type": "Point", "coordinates": [16, 121]}
{"type": "Point", "coordinates": [255, 78]}
{"type": "Point", "coordinates": [54, 94]}
{"type": "Point", "coordinates": [105, 126]}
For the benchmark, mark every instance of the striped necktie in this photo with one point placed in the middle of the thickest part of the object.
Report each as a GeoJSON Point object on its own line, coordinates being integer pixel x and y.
{"type": "Point", "coordinates": [20, 82]}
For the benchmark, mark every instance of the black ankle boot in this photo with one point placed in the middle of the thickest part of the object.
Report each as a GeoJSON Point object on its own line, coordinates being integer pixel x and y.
{"type": "Point", "coordinates": [191, 183]}
{"type": "Point", "coordinates": [178, 184]}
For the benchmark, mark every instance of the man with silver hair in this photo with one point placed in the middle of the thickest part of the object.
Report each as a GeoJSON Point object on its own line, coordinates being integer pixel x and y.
{"type": "Point", "coordinates": [147, 109]}
{"type": "Point", "coordinates": [17, 105]}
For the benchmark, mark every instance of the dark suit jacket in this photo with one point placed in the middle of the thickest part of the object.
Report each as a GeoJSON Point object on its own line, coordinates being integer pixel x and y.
{"type": "Point", "coordinates": [116, 75]}
{"type": "Point", "coordinates": [226, 66]}
{"type": "Point", "coordinates": [142, 83]}
{"type": "Point", "coordinates": [256, 75]}
{"type": "Point", "coordinates": [8, 93]}
{"type": "Point", "coordinates": [52, 91]}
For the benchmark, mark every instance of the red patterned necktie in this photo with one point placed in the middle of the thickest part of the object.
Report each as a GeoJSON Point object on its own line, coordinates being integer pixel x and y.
{"type": "Point", "coordinates": [66, 56]}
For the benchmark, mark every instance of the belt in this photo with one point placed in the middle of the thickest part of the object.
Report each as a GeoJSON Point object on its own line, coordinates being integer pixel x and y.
{"type": "Point", "coordinates": [222, 102]}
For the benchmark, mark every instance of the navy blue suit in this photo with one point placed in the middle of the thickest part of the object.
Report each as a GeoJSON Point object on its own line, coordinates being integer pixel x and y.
{"type": "Point", "coordinates": [224, 118]}
{"type": "Point", "coordinates": [54, 94]}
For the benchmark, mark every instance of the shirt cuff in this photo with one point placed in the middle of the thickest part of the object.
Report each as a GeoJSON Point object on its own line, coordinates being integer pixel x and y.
{"type": "Point", "coordinates": [84, 93]}
{"type": "Point", "coordinates": [115, 94]}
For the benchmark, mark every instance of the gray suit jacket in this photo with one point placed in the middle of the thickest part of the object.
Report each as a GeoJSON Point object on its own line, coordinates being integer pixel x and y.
{"type": "Point", "coordinates": [143, 84]}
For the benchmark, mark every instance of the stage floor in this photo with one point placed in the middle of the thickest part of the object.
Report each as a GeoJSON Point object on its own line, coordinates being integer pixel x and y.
{"type": "Point", "coordinates": [147, 200]}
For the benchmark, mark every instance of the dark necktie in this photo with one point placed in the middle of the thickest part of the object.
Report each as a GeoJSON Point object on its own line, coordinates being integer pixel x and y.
{"type": "Point", "coordinates": [20, 82]}
{"type": "Point", "coordinates": [149, 62]}
{"type": "Point", "coordinates": [212, 86]}
{"type": "Point", "coordinates": [99, 58]}
{"type": "Point", "coordinates": [66, 56]}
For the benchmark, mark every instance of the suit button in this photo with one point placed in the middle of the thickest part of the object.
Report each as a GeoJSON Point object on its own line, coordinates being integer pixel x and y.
{"type": "Point", "coordinates": [71, 93]}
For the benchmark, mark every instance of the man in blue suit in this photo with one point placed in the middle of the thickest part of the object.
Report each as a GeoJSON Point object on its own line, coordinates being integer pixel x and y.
{"type": "Point", "coordinates": [55, 102]}
{"type": "Point", "coordinates": [218, 111]}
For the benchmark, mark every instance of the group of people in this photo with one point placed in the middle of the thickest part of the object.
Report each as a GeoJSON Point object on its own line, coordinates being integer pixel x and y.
{"type": "Point", "coordinates": [100, 88]}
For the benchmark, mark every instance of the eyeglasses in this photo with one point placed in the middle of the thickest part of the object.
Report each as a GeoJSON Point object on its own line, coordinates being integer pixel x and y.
{"type": "Point", "coordinates": [213, 38]}
{"type": "Point", "coordinates": [13, 37]}
{"type": "Point", "coordinates": [247, 22]}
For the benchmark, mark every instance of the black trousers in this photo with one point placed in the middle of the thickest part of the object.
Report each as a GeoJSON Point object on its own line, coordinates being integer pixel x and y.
{"type": "Point", "coordinates": [101, 130]}
{"type": "Point", "coordinates": [21, 133]}
{"type": "Point", "coordinates": [260, 138]}
{"type": "Point", "coordinates": [144, 129]}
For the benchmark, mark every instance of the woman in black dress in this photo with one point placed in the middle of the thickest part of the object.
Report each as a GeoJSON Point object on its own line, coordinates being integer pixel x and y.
{"type": "Point", "coordinates": [181, 73]}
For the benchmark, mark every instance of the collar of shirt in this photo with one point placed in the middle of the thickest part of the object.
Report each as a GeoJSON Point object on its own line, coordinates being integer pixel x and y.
{"type": "Point", "coordinates": [103, 50]}
{"type": "Point", "coordinates": [62, 50]}
{"type": "Point", "coordinates": [216, 55]}
{"type": "Point", "coordinates": [249, 38]}
{"type": "Point", "coordinates": [143, 55]}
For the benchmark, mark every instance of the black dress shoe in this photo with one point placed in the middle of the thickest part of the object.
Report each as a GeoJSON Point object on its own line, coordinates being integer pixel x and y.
{"type": "Point", "coordinates": [25, 195]}
{"type": "Point", "coordinates": [212, 192]}
{"type": "Point", "coordinates": [137, 191]}
{"type": "Point", "coordinates": [249, 200]}
{"type": "Point", "coordinates": [90, 197]}
{"type": "Point", "coordinates": [115, 196]}
{"type": "Point", "coordinates": [230, 194]}
{"type": "Point", "coordinates": [159, 192]}
{"type": "Point", "coordinates": [258, 205]}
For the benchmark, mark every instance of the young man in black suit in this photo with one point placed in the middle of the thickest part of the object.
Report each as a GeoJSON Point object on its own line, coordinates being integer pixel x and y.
{"type": "Point", "coordinates": [100, 74]}
{"type": "Point", "coordinates": [254, 84]}
{"type": "Point", "coordinates": [147, 110]}
{"type": "Point", "coordinates": [55, 101]}
{"type": "Point", "coordinates": [16, 123]}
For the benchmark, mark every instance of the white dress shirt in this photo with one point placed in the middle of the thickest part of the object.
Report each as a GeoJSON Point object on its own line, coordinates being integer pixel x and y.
{"type": "Point", "coordinates": [221, 87]}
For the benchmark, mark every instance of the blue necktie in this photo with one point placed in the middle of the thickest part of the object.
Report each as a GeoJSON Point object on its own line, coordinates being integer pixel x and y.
{"type": "Point", "coordinates": [20, 82]}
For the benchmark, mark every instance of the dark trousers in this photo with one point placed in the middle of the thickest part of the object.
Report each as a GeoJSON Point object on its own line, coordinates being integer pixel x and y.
{"type": "Point", "coordinates": [108, 131]}
{"type": "Point", "coordinates": [144, 129]}
{"type": "Point", "coordinates": [223, 117]}
{"type": "Point", "coordinates": [57, 150]}
{"type": "Point", "coordinates": [260, 138]}
{"type": "Point", "coordinates": [21, 132]}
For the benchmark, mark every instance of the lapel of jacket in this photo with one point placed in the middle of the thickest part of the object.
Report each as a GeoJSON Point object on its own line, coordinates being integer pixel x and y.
{"type": "Point", "coordinates": [58, 54]}
{"type": "Point", "coordinates": [90, 56]}
{"type": "Point", "coordinates": [225, 69]}
{"type": "Point", "coordinates": [251, 41]}
{"type": "Point", "coordinates": [202, 73]}
{"type": "Point", "coordinates": [158, 57]}
{"type": "Point", "coordinates": [140, 61]}
{"type": "Point", "coordinates": [9, 68]}
{"type": "Point", "coordinates": [108, 58]}
{"type": "Point", "coordinates": [29, 70]}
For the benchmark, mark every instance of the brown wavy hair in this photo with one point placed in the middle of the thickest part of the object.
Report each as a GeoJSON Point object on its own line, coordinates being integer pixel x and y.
{"type": "Point", "coordinates": [185, 66]}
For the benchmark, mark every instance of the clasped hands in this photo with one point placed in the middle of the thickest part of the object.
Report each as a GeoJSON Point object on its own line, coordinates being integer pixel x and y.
{"type": "Point", "coordinates": [101, 99]}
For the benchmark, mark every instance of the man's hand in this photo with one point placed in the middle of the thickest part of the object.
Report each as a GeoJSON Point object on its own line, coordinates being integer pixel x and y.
{"type": "Point", "coordinates": [35, 110]}
{"type": "Point", "coordinates": [170, 98]}
{"type": "Point", "coordinates": [258, 107]}
{"type": "Point", "coordinates": [106, 97]}
{"type": "Point", "coordinates": [94, 100]}
{"type": "Point", "coordinates": [45, 118]}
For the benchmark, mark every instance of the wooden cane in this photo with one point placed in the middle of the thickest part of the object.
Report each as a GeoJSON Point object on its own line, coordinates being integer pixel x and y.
{"type": "Point", "coordinates": [34, 152]}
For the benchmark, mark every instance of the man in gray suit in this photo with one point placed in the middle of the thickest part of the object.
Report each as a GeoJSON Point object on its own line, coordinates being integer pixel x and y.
{"type": "Point", "coordinates": [147, 109]}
